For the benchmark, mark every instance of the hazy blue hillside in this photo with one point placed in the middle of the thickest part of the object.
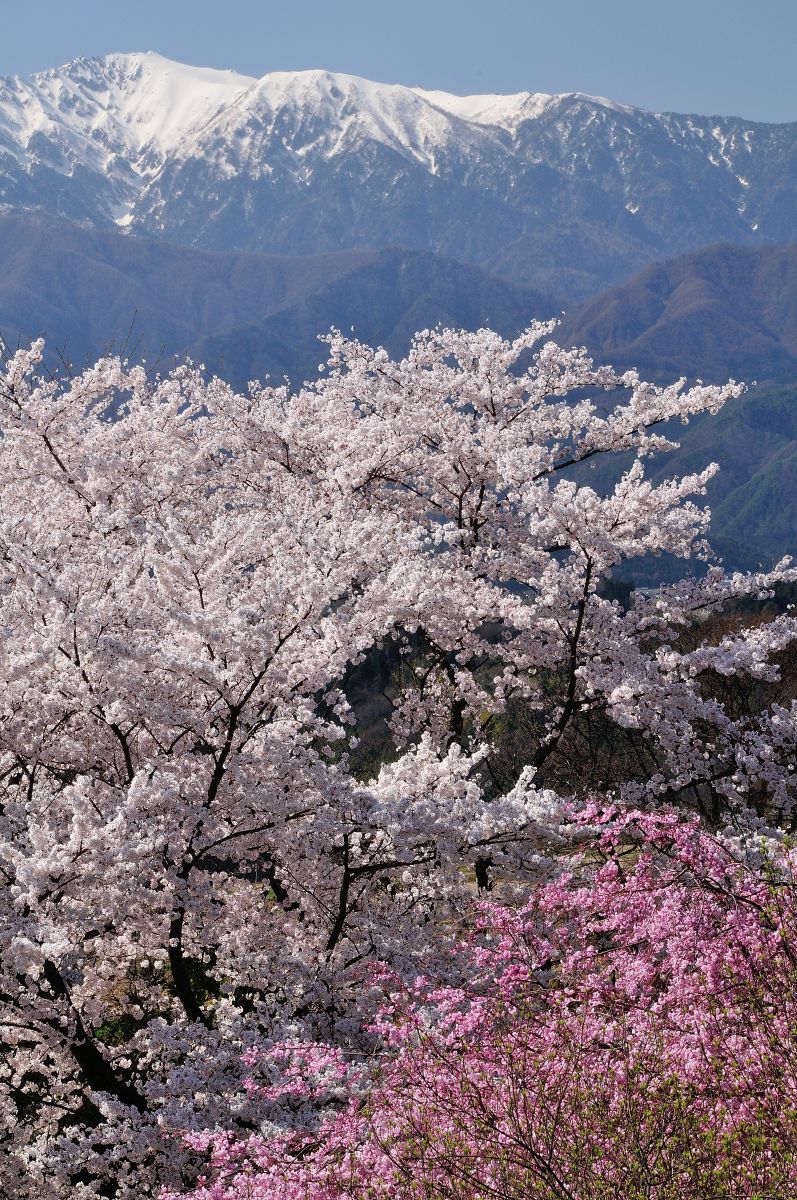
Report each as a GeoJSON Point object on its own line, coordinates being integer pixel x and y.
{"type": "Point", "coordinates": [386, 299]}
{"type": "Point", "coordinates": [724, 310]}
{"type": "Point", "coordinates": [246, 315]}
{"type": "Point", "coordinates": [718, 312]}
{"type": "Point", "coordinates": [753, 498]}
{"type": "Point", "coordinates": [85, 288]}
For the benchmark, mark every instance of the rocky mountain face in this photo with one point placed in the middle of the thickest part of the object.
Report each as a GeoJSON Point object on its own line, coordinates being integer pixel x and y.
{"type": "Point", "coordinates": [568, 193]}
{"type": "Point", "coordinates": [82, 141]}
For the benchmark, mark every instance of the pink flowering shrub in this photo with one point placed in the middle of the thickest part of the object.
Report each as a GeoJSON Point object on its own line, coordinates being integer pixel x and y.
{"type": "Point", "coordinates": [631, 1031]}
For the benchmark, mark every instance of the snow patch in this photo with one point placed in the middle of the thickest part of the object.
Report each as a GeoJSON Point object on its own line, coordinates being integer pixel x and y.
{"type": "Point", "coordinates": [506, 112]}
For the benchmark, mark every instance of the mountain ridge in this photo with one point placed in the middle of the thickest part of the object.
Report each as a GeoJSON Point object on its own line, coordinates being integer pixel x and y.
{"type": "Point", "coordinates": [245, 314]}
{"type": "Point", "coordinates": [719, 311]}
{"type": "Point", "coordinates": [566, 193]}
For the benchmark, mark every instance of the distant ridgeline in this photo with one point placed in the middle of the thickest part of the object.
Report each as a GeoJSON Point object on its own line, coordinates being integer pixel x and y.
{"type": "Point", "coordinates": [266, 211]}
{"type": "Point", "coordinates": [567, 193]}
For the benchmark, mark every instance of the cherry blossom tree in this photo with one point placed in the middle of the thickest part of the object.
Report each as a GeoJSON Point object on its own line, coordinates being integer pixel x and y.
{"type": "Point", "coordinates": [194, 863]}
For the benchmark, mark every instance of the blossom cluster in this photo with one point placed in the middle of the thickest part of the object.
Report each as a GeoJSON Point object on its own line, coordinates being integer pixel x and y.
{"type": "Point", "coordinates": [195, 868]}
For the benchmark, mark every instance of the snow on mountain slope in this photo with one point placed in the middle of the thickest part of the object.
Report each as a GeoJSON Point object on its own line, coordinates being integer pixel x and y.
{"type": "Point", "coordinates": [568, 192]}
{"type": "Point", "coordinates": [116, 118]}
{"type": "Point", "coordinates": [505, 112]}
{"type": "Point", "coordinates": [332, 110]}
{"type": "Point", "coordinates": [143, 109]}
{"type": "Point", "coordinates": [144, 106]}
{"type": "Point", "coordinates": [509, 111]}
{"type": "Point", "coordinates": [134, 104]}
{"type": "Point", "coordinates": [289, 120]}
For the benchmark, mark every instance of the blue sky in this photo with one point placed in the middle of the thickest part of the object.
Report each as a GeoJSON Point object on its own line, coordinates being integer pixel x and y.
{"type": "Point", "coordinates": [708, 56]}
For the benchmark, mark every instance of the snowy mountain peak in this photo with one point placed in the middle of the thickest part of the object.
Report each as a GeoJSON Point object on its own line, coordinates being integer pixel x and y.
{"type": "Point", "coordinates": [137, 106]}
{"type": "Point", "coordinates": [510, 111]}
{"type": "Point", "coordinates": [327, 93]}
{"type": "Point", "coordinates": [145, 108]}
{"type": "Point", "coordinates": [325, 113]}
{"type": "Point", "coordinates": [111, 121]}
{"type": "Point", "coordinates": [145, 100]}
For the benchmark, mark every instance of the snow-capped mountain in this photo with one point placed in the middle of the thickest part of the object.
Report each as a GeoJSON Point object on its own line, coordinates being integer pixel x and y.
{"type": "Point", "coordinates": [568, 192]}
{"type": "Point", "coordinates": [81, 141]}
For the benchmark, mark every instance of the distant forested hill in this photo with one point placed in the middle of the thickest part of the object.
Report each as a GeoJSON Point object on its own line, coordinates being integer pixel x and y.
{"type": "Point", "coordinates": [244, 315]}
{"type": "Point", "coordinates": [753, 498]}
{"type": "Point", "coordinates": [385, 300]}
{"type": "Point", "coordinates": [724, 310]}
